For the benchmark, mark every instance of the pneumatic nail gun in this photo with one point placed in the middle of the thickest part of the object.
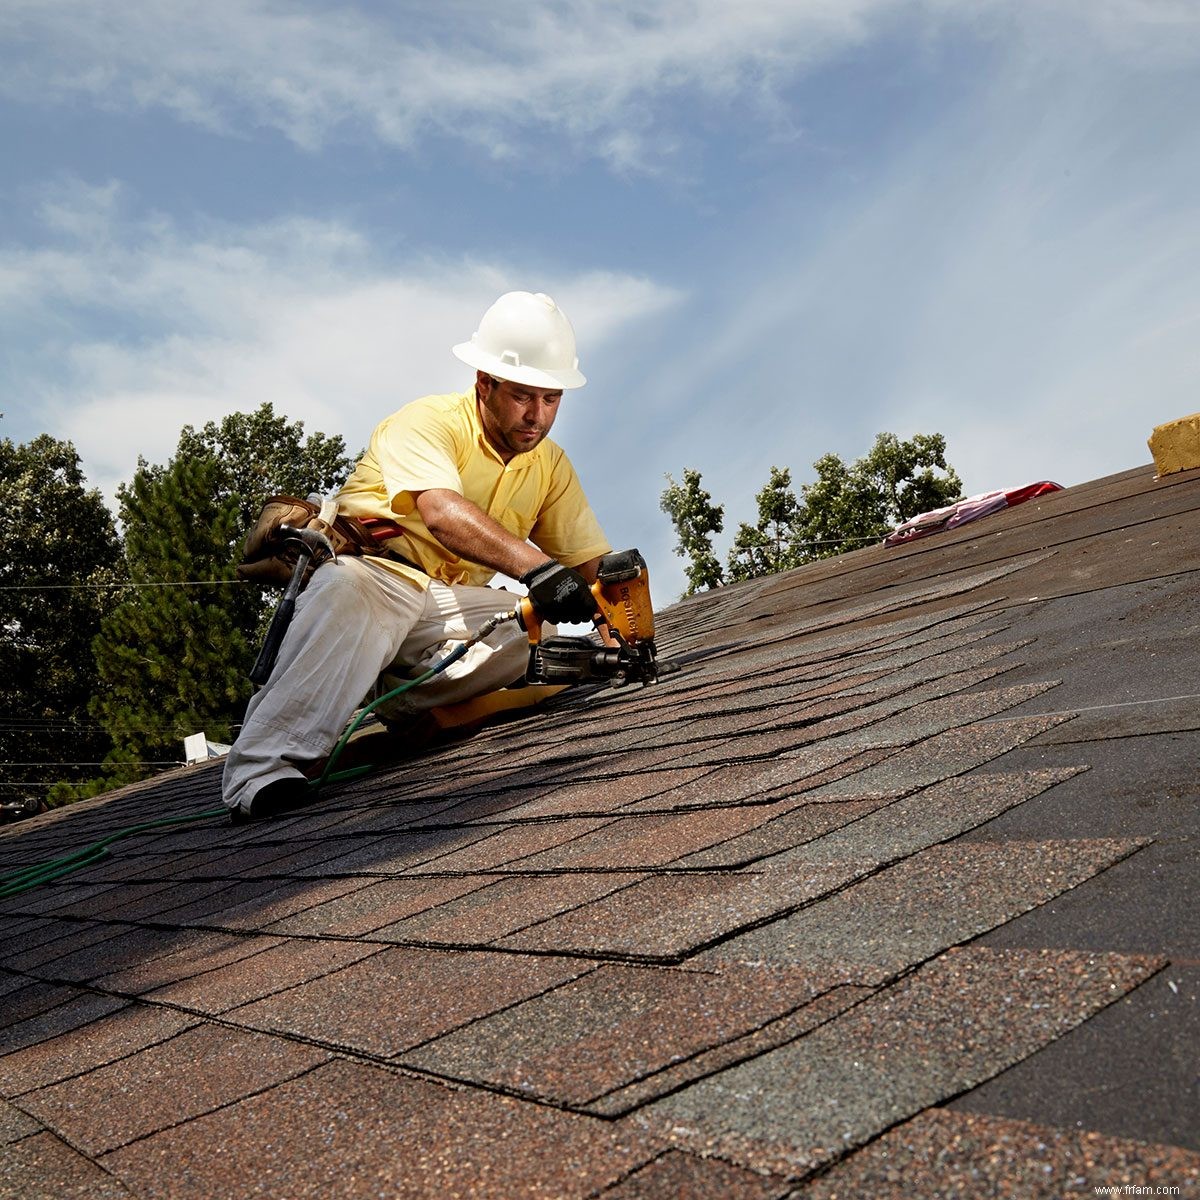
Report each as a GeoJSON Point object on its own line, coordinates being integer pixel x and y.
{"type": "Point", "coordinates": [624, 652]}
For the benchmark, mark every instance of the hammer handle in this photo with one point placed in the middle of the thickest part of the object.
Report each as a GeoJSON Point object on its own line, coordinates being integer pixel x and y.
{"type": "Point", "coordinates": [271, 643]}
{"type": "Point", "coordinates": [265, 662]}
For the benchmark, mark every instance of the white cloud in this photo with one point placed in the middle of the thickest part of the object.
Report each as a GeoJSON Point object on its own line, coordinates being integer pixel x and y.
{"type": "Point", "coordinates": [501, 75]}
{"type": "Point", "coordinates": [138, 329]}
{"type": "Point", "coordinates": [472, 69]}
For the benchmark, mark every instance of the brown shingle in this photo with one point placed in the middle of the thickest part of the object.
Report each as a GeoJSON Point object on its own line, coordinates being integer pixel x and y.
{"type": "Point", "coordinates": [402, 997]}
{"type": "Point", "coordinates": [75, 1037]}
{"type": "Point", "coordinates": [200, 1069]}
{"type": "Point", "coordinates": [352, 1130]}
{"type": "Point", "coordinates": [43, 1167]}
{"type": "Point", "coordinates": [954, 1023]}
{"type": "Point", "coordinates": [948, 1154]}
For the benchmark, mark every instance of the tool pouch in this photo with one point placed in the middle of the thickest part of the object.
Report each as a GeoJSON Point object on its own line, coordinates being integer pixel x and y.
{"type": "Point", "coordinates": [268, 557]}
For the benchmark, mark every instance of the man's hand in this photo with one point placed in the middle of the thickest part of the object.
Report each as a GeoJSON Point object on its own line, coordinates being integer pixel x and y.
{"type": "Point", "coordinates": [560, 594]}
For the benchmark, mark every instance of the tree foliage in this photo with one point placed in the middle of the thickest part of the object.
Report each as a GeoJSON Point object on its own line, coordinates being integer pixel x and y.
{"type": "Point", "coordinates": [171, 656]}
{"type": "Point", "coordinates": [769, 545]}
{"type": "Point", "coordinates": [61, 561]}
{"type": "Point", "coordinates": [262, 454]}
{"type": "Point", "coordinates": [696, 519]}
{"type": "Point", "coordinates": [847, 506]}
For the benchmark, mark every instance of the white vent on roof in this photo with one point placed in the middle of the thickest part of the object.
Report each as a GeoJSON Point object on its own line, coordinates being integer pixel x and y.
{"type": "Point", "coordinates": [197, 748]}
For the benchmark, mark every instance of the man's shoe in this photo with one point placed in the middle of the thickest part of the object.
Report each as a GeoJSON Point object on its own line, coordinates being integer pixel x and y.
{"type": "Point", "coordinates": [279, 796]}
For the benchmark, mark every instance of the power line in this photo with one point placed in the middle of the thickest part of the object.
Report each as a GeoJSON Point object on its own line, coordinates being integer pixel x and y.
{"type": "Point", "coordinates": [73, 587]}
{"type": "Point", "coordinates": [165, 762]}
{"type": "Point", "coordinates": [65, 722]}
{"type": "Point", "coordinates": [39, 783]}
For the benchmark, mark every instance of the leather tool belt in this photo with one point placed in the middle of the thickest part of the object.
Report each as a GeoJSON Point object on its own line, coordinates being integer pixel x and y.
{"type": "Point", "coordinates": [268, 557]}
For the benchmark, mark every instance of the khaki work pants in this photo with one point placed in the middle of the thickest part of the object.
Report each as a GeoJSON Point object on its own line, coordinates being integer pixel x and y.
{"type": "Point", "coordinates": [353, 621]}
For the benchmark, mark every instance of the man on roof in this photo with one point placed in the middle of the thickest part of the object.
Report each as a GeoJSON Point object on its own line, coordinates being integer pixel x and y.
{"type": "Point", "coordinates": [464, 486]}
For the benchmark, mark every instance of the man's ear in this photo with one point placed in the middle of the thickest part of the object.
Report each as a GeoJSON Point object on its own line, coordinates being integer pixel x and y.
{"type": "Point", "coordinates": [483, 384]}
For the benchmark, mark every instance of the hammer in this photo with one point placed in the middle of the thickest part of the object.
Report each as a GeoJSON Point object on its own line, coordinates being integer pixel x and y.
{"type": "Point", "coordinates": [311, 542]}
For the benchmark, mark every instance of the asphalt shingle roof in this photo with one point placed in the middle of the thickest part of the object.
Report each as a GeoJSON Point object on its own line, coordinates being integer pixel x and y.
{"type": "Point", "coordinates": [890, 891]}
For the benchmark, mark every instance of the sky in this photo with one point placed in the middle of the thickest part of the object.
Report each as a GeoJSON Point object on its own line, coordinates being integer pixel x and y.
{"type": "Point", "coordinates": [779, 227]}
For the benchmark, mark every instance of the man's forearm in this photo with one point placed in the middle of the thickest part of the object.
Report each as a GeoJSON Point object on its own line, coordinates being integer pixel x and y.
{"type": "Point", "coordinates": [466, 530]}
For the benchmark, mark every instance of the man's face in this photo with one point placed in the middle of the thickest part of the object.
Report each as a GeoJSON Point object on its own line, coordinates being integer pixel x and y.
{"type": "Point", "coordinates": [515, 417]}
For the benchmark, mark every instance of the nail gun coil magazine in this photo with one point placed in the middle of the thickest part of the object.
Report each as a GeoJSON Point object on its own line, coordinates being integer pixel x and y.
{"type": "Point", "coordinates": [582, 660]}
{"type": "Point", "coordinates": [575, 660]}
{"type": "Point", "coordinates": [624, 653]}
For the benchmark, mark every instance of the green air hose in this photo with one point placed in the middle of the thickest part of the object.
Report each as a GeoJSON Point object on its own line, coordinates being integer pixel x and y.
{"type": "Point", "coordinates": [28, 878]}
{"type": "Point", "coordinates": [331, 776]}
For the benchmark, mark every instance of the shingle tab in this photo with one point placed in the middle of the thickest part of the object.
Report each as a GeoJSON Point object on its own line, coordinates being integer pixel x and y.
{"type": "Point", "coordinates": [954, 1023]}
{"type": "Point", "coordinates": [81, 1035]}
{"type": "Point", "coordinates": [779, 1032]}
{"type": "Point", "coordinates": [43, 1167]}
{"type": "Point", "coordinates": [944, 895]}
{"type": "Point", "coordinates": [737, 783]}
{"type": "Point", "coordinates": [664, 917]}
{"type": "Point", "coordinates": [381, 1134]}
{"type": "Point", "coordinates": [667, 916]}
{"type": "Point", "coordinates": [286, 964]}
{"type": "Point", "coordinates": [940, 1153]}
{"type": "Point", "coordinates": [498, 907]}
{"type": "Point", "coordinates": [194, 954]}
{"type": "Point", "coordinates": [687, 1175]}
{"type": "Point", "coordinates": [378, 904]}
{"type": "Point", "coordinates": [950, 753]}
{"type": "Point", "coordinates": [14, 1124]}
{"type": "Point", "coordinates": [271, 901]}
{"type": "Point", "coordinates": [923, 818]}
{"type": "Point", "coordinates": [616, 1026]}
{"type": "Point", "coordinates": [798, 822]}
{"type": "Point", "coordinates": [124, 1100]}
{"type": "Point", "coordinates": [650, 840]}
{"type": "Point", "coordinates": [132, 959]}
{"type": "Point", "coordinates": [54, 940]}
{"type": "Point", "coordinates": [27, 999]}
{"type": "Point", "coordinates": [570, 798]}
{"type": "Point", "coordinates": [402, 997]}
{"type": "Point", "coordinates": [504, 846]}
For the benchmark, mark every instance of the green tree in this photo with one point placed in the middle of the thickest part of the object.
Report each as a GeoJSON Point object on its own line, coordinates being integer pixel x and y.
{"type": "Point", "coordinates": [263, 454]}
{"type": "Point", "coordinates": [696, 519]}
{"type": "Point", "coordinates": [895, 480]}
{"type": "Point", "coordinates": [769, 545]}
{"type": "Point", "coordinates": [844, 508]}
{"type": "Point", "coordinates": [60, 564]}
{"type": "Point", "coordinates": [171, 657]}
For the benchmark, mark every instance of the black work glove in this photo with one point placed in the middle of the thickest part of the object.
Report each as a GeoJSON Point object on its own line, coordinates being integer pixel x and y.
{"type": "Point", "coordinates": [560, 594]}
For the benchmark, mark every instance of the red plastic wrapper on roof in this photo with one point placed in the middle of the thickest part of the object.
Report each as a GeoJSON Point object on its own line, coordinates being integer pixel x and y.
{"type": "Point", "coordinates": [970, 509]}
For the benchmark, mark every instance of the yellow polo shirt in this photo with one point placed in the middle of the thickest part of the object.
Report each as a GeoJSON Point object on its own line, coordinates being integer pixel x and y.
{"type": "Point", "coordinates": [438, 442]}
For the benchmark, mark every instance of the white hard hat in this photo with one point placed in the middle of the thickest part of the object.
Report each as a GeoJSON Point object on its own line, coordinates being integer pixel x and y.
{"type": "Point", "coordinates": [527, 338]}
